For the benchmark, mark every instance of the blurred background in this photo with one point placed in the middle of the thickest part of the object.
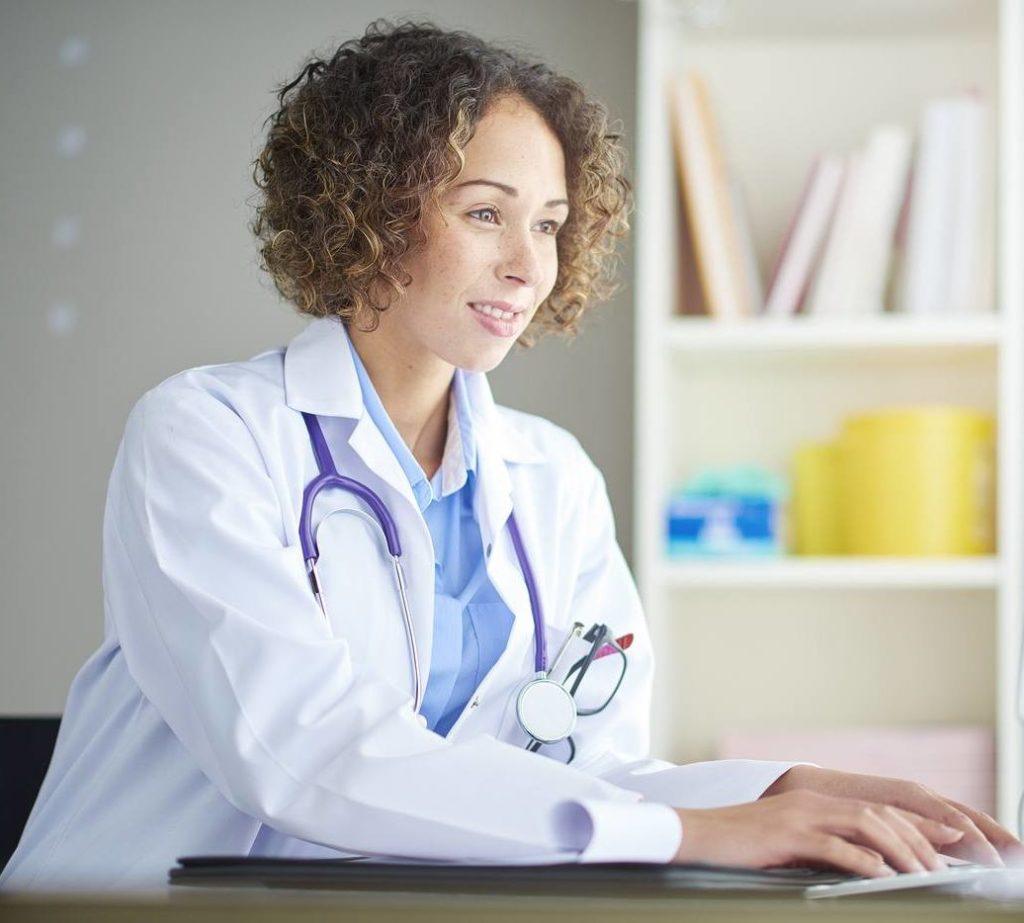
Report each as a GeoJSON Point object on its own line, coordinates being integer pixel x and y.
{"type": "Point", "coordinates": [128, 133]}
{"type": "Point", "coordinates": [806, 398]}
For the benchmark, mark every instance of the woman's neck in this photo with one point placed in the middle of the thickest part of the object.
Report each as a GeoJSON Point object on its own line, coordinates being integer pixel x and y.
{"type": "Point", "coordinates": [413, 386]}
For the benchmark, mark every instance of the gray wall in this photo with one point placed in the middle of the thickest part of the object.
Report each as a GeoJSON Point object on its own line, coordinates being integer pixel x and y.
{"type": "Point", "coordinates": [126, 133]}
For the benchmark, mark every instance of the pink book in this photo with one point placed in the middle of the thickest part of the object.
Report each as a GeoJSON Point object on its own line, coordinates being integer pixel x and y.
{"type": "Point", "coordinates": [805, 237]}
{"type": "Point", "coordinates": [955, 761]}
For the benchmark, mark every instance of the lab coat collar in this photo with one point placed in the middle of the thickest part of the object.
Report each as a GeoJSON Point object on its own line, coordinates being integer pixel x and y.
{"type": "Point", "coordinates": [320, 378]}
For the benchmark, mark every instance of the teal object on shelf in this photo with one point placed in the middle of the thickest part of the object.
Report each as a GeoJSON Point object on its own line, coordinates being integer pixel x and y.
{"type": "Point", "coordinates": [728, 511]}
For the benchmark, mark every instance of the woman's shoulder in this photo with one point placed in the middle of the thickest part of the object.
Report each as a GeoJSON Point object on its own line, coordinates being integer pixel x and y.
{"type": "Point", "coordinates": [241, 399]}
{"type": "Point", "coordinates": [557, 468]}
{"type": "Point", "coordinates": [529, 437]}
{"type": "Point", "coordinates": [247, 386]}
{"type": "Point", "coordinates": [261, 376]}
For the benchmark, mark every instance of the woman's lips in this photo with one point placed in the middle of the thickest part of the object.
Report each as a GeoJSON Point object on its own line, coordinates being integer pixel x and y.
{"type": "Point", "coordinates": [496, 325]}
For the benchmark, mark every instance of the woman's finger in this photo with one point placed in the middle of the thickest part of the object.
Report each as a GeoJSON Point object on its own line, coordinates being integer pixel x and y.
{"type": "Point", "coordinates": [997, 835]}
{"type": "Point", "coordinates": [974, 844]}
{"type": "Point", "coordinates": [837, 852]}
{"type": "Point", "coordinates": [938, 834]}
{"type": "Point", "coordinates": [864, 823]}
{"type": "Point", "coordinates": [912, 833]}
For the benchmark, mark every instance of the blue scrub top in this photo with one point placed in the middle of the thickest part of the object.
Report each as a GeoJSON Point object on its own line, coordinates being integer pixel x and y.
{"type": "Point", "coordinates": [471, 622]}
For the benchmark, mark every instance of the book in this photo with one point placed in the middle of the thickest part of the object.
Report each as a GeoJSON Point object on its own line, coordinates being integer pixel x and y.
{"type": "Point", "coordinates": [829, 273]}
{"type": "Point", "coordinates": [805, 237]}
{"type": "Point", "coordinates": [971, 262]}
{"type": "Point", "coordinates": [955, 759]}
{"type": "Point", "coordinates": [947, 265]}
{"type": "Point", "coordinates": [747, 249]}
{"type": "Point", "coordinates": [711, 208]}
{"type": "Point", "coordinates": [854, 272]}
{"type": "Point", "coordinates": [923, 284]}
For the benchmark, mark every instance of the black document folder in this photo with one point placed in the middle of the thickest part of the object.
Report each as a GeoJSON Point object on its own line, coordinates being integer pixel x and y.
{"type": "Point", "coordinates": [610, 879]}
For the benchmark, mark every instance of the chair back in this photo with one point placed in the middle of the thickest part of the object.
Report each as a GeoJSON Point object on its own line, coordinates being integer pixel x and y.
{"type": "Point", "coordinates": [26, 745]}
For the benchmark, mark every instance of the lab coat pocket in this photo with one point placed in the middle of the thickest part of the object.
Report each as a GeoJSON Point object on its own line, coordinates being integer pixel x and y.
{"type": "Point", "coordinates": [561, 650]}
{"type": "Point", "coordinates": [509, 729]}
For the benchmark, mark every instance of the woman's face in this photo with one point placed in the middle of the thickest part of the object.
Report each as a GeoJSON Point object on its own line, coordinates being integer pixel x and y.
{"type": "Point", "coordinates": [489, 257]}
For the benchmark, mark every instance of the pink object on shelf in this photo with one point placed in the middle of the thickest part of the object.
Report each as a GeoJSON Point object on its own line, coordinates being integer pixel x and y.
{"type": "Point", "coordinates": [956, 761]}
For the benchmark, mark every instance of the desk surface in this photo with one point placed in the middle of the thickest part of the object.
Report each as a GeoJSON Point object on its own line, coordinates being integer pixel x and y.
{"type": "Point", "coordinates": [257, 905]}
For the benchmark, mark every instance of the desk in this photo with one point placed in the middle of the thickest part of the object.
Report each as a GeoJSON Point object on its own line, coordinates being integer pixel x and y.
{"type": "Point", "coordinates": [252, 905]}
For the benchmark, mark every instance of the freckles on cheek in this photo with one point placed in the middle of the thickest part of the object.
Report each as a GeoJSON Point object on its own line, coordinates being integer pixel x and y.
{"type": "Point", "coordinates": [444, 280]}
{"type": "Point", "coordinates": [459, 264]}
{"type": "Point", "coordinates": [550, 278]}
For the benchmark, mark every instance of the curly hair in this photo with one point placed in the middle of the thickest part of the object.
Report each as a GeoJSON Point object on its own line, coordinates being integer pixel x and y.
{"type": "Point", "coordinates": [363, 143]}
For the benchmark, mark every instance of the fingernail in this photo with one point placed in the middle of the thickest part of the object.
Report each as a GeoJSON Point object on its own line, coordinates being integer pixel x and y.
{"type": "Point", "coordinates": [952, 832]}
{"type": "Point", "coordinates": [887, 872]}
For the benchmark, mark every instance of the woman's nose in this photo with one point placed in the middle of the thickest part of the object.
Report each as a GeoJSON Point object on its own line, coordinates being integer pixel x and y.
{"type": "Point", "coordinates": [520, 260]}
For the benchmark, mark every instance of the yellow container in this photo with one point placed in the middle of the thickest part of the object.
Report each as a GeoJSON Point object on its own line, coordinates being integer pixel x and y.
{"type": "Point", "coordinates": [918, 481]}
{"type": "Point", "coordinates": [815, 526]}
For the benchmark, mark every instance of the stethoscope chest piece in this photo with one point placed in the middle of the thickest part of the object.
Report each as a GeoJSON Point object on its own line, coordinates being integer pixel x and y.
{"type": "Point", "coordinates": [546, 710]}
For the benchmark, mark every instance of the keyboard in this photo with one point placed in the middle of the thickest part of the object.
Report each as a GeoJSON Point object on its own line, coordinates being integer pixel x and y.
{"type": "Point", "coordinates": [952, 876]}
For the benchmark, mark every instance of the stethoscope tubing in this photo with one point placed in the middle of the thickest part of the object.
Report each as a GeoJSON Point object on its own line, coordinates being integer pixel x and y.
{"type": "Point", "coordinates": [329, 478]}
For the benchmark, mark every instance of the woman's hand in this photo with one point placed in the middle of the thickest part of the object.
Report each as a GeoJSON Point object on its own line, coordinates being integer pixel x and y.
{"type": "Point", "coordinates": [983, 841]}
{"type": "Point", "coordinates": [804, 827]}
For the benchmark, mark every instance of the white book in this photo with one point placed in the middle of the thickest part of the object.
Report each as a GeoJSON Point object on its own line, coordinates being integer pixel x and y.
{"type": "Point", "coordinates": [859, 253]}
{"type": "Point", "coordinates": [887, 167]}
{"type": "Point", "coordinates": [828, 276]}
{"type": "Point", "coordinates": [806, 236]}
{"type": "Point", "coordinates": [923, 286]}
{"type": "Point", "coordinates": [747, 250]}
{"type": "Point", "coordinates": [970, 263]}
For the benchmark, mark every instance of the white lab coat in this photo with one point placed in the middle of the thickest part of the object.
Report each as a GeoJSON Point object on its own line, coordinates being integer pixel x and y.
{"type": "Point", "coordinates": [223, 714]}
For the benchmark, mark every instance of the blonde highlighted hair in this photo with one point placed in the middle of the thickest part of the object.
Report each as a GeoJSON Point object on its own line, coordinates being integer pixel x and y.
{"type": "Point", "coordinates": [363, 142]}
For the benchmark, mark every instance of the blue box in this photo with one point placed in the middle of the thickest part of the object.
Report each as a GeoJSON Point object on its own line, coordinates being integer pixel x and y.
{"type": "Point", "coordinates": [713, 526]}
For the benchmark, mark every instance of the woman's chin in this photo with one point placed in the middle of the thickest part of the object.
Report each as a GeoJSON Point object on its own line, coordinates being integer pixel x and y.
{"type": "Point", "coordinates": [484, 362]}
{"type": "Point", "coordinates": [474, 358]}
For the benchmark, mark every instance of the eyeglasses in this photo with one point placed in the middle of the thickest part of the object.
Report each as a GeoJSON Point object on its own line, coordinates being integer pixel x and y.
{"type": "Point", "coordinates": [592, 689]}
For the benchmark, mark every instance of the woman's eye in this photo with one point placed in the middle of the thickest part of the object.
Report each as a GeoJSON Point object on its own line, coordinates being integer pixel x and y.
{"type": "Point", "coordinates": [491, 216]}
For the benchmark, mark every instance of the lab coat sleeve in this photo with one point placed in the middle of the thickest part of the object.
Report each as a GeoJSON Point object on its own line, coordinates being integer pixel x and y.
{"type": "Point", "coordinates": [218, 626]}
{"type": "Point", "coordinates": [614, 744]}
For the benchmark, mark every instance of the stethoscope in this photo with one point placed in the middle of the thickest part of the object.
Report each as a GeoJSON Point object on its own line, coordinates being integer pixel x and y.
{"type": "Point", "coordinates": [545, 709]}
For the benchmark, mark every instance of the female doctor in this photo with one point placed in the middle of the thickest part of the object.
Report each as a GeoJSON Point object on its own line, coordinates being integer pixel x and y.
{"type": "Point", "coordinates": [339, 579]}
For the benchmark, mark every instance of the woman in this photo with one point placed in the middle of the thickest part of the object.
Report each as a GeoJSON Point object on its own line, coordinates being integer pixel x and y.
{"type": "Point", "coordinates": [428, 199]}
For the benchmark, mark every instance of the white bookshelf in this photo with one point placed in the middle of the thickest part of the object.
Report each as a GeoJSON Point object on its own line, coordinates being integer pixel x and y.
{"type": "Point", "coordinates": [823, 642]}
{"type": "Point", "coordinates": [700, 336]}
{"type": "Point", "coordinates": [833, 573]}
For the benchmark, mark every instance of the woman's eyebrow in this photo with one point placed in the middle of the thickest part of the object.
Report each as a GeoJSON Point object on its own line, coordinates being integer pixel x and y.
{"type": "Point", "coordinates": [508, 190]}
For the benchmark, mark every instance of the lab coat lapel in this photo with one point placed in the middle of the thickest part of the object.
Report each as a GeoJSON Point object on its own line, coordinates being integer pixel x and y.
{"type": "Point", "coordinates": [417, 560]}
{"type": "Point", "coordinates": [493, 504]}
{"type": "Point", "coordinates": [368, 442]}
{"type": "Point", "coordinates": [320, 378]}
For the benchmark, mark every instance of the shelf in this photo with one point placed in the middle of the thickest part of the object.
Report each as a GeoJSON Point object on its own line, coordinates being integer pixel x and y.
{"type": "Point", "coordinates": [787, 81]}
{"type": "Point", "coordinates": [832, 572]}
{"type": "Point", "coordinates": [704, 335]}
{"type": "Point", "coordinates": [816, 19]}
